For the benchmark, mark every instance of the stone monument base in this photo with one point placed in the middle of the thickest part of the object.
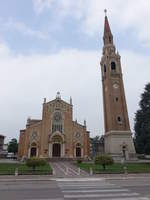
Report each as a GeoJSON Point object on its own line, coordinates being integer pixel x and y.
{"type": "Point", "coordinates": [119, 144]}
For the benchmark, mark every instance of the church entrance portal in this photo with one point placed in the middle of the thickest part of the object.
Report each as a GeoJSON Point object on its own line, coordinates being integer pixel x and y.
{"type": "Point", "coordinates": [33, 152]}
{"type": "Point", "coordinates": [78, 152]}
{"type": "Point", "coordinates": [56, 150]}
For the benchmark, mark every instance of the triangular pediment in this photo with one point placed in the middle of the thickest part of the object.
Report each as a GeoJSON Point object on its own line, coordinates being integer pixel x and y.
{"type": "Point", "coordinates": [58, 101]}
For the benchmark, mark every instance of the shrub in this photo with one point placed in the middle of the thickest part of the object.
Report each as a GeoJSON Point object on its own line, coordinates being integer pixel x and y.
{"type": "Point", "coordinates": [35, 162]}
{"type": "Point", "coordinates": [141, 156]}
{"type": "Point", "coordinates": [104, 160]}
{"type": "Point", "coordinates": [79, 161]}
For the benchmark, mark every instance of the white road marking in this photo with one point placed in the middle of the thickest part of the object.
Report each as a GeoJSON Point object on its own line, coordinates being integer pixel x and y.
{"type": "Point", "coordinates": [128, 198]}
{"type": "Point", "coordinates": [95, 191]}
{"type": "Point", "coordinates": [47, 199]}
{"type": "Point", "coordinates": [60, 168]}
{"type": "Point", "coordinates": [76, 196]}
{"type": "Point", "coordinates": [69, 168]}
{"type": "Point", "coordinates": [78, 179]}
{"type": "Point", "coordinates": [88, 187]}
{"type": "Point", "coordinates": [72, 170]}
{"type": "Point", "coordinates": [86, 184]}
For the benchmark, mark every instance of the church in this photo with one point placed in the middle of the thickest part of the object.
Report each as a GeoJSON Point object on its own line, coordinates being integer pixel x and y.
{"type": "Point", "coordinates": [56, 135]}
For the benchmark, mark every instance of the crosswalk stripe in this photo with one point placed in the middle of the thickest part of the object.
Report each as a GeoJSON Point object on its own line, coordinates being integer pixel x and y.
{"type": "Point", "coordinates": [100, 186]}
{"type": "Point", "coordinates": [76, 196]}
{"type": "Point", "coordinates": [85, 185]}
{"type": "Point", "coordinates": [128, 198]}
{"type": "Point", "coordinates": [47, 199]}
{"type": "Point", "coordinates": [78, 179]}
{"type": "Point", "coordinates": [76, 188]}
{"type": "Point", "coordinates": [98, 190]}
{"type": "Point", "coordinates": [90, 191]}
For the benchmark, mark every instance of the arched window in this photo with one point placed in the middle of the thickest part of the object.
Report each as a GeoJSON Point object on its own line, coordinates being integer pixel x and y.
{"type": "Point", "coordinates": [57, 122]}
{"type": "Point", "coordinates": [104, 68]}
{"type": "Point", "coordinates": [110, 39]}
{"type": "Point", "coordinates": [113, 66]}
{"type": "Point", "coordinates": [34, 135]}
{"type": "Point", "coordinates": [117, 99]}
{"type": "Point", "coordinates": [119, 119]}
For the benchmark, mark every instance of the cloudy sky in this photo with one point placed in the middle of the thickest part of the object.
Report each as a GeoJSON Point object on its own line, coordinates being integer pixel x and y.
{"type": "Point", "coordinates": [56, 45]}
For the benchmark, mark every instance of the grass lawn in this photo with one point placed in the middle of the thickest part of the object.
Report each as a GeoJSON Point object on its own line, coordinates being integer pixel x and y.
{"type": "Point", "coordinates": [117, 168]}
{"type": "Point", "coordinates": [9, 169]}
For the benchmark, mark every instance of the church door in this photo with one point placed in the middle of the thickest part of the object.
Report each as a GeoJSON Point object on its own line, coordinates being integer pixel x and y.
{"type": "Point", "coordinates": [56, 150]}
{"type": "Point", "coordinates": [78, 152]}
{"type": "Point", "coordinates": [33, 152]}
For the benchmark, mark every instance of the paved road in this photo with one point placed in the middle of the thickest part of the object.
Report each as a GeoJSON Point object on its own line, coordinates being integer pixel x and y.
{"type": "Point", "coordinates": [66, 169]}
{"type": "Point", "coordinates": [76, 189]}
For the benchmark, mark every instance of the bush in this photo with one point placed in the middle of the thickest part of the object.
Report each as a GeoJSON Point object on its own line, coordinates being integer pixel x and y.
{"type": "Point", "coordinates": [35, 162]}
{"type": "Point", "coordinates": [104, 160]}
{"type": "Point", "coordinates": [141, 156]}
{"type": "Point", "coordinates": [79, 161]}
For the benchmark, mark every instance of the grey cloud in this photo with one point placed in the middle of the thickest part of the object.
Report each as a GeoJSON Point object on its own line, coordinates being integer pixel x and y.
{"type": "Point", "coordinates": [26, 80]}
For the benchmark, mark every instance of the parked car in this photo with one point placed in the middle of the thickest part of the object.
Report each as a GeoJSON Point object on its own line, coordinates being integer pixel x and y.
{"type": "Point", "coordinates": [11, 156]}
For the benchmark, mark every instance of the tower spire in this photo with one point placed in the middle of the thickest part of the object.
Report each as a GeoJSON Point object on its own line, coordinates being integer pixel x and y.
{"type": "Point", "coordinates": [118, 136]}
{"type": "Point", "coordinates": [105, 11]}
{"type": "Point", "coordinates": [108, 37]}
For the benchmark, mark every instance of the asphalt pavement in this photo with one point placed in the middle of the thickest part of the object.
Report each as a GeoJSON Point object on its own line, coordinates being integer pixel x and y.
{"type": "Point", "coordinates": [76, 189]}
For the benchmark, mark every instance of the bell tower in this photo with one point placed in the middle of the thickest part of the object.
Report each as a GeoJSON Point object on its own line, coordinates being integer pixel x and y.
{"type": "Point", "coordinates": [118, 136]}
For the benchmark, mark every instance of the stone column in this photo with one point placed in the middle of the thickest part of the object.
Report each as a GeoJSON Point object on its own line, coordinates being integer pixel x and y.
{"type": "Point", "coordinates": [82, 151]}
{"type": "Point", "coordinates": [29, 151]}
{"type": "Point", "coordinates": [37, 152]}
{"type": "Point", "coordinates": [50, 150]}
{"type": "Point", "coordinates": [62, 150]}
{"type": "Point", "coordinates": [74, 152]}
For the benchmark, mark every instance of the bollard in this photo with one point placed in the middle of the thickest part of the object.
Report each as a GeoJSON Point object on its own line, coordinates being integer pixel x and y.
{"type": "Point", "coordinates": [79, 170]}
{"type": "Point", "coordinates": [125, 170]}
{"type": "Point", "coordinates": [53, 172]}
{"type": "Point", "coordinates": [91, 171]}
{"type": "Point", "coordinates": [16, 172]}
{"type": "Point", "coordinates": [122, 161]}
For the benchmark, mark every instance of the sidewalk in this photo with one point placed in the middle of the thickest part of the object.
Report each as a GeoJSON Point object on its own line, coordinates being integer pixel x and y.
{"type": "Point", "coordinates": [53, 178]}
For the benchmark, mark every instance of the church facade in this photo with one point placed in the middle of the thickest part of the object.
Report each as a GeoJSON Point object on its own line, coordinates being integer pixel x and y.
{"type": "Point", "coordinates": [56, 135]}
{"type": "Point", "coordinates": [118, 136]}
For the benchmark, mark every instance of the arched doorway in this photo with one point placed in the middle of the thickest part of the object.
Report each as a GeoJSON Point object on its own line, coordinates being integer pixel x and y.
{"type": "Point", "coordinates": [78, 150]}
{"type": "Point", "coordinates": [56, 150]}
{"type": "Point", "coordinates": [56, 146]}
{"type": "Point", "coordinates": [33, 150]}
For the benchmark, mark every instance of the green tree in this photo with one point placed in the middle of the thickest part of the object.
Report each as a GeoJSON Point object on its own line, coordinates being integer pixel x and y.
{"type": "Point", "coordinates": [35, 162]}
{"type": "Point", "coordinates": [142, 123]}
{"type": "Point", "coordinates": [97, 144]}
{"type": "Point", "coordinates": [103, 160]}
{"type": "Point", "coordinates": [13, 146]}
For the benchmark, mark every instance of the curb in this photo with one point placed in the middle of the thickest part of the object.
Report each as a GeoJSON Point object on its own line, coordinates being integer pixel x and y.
{"type": "Point", "coordinates": [71, 179]}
